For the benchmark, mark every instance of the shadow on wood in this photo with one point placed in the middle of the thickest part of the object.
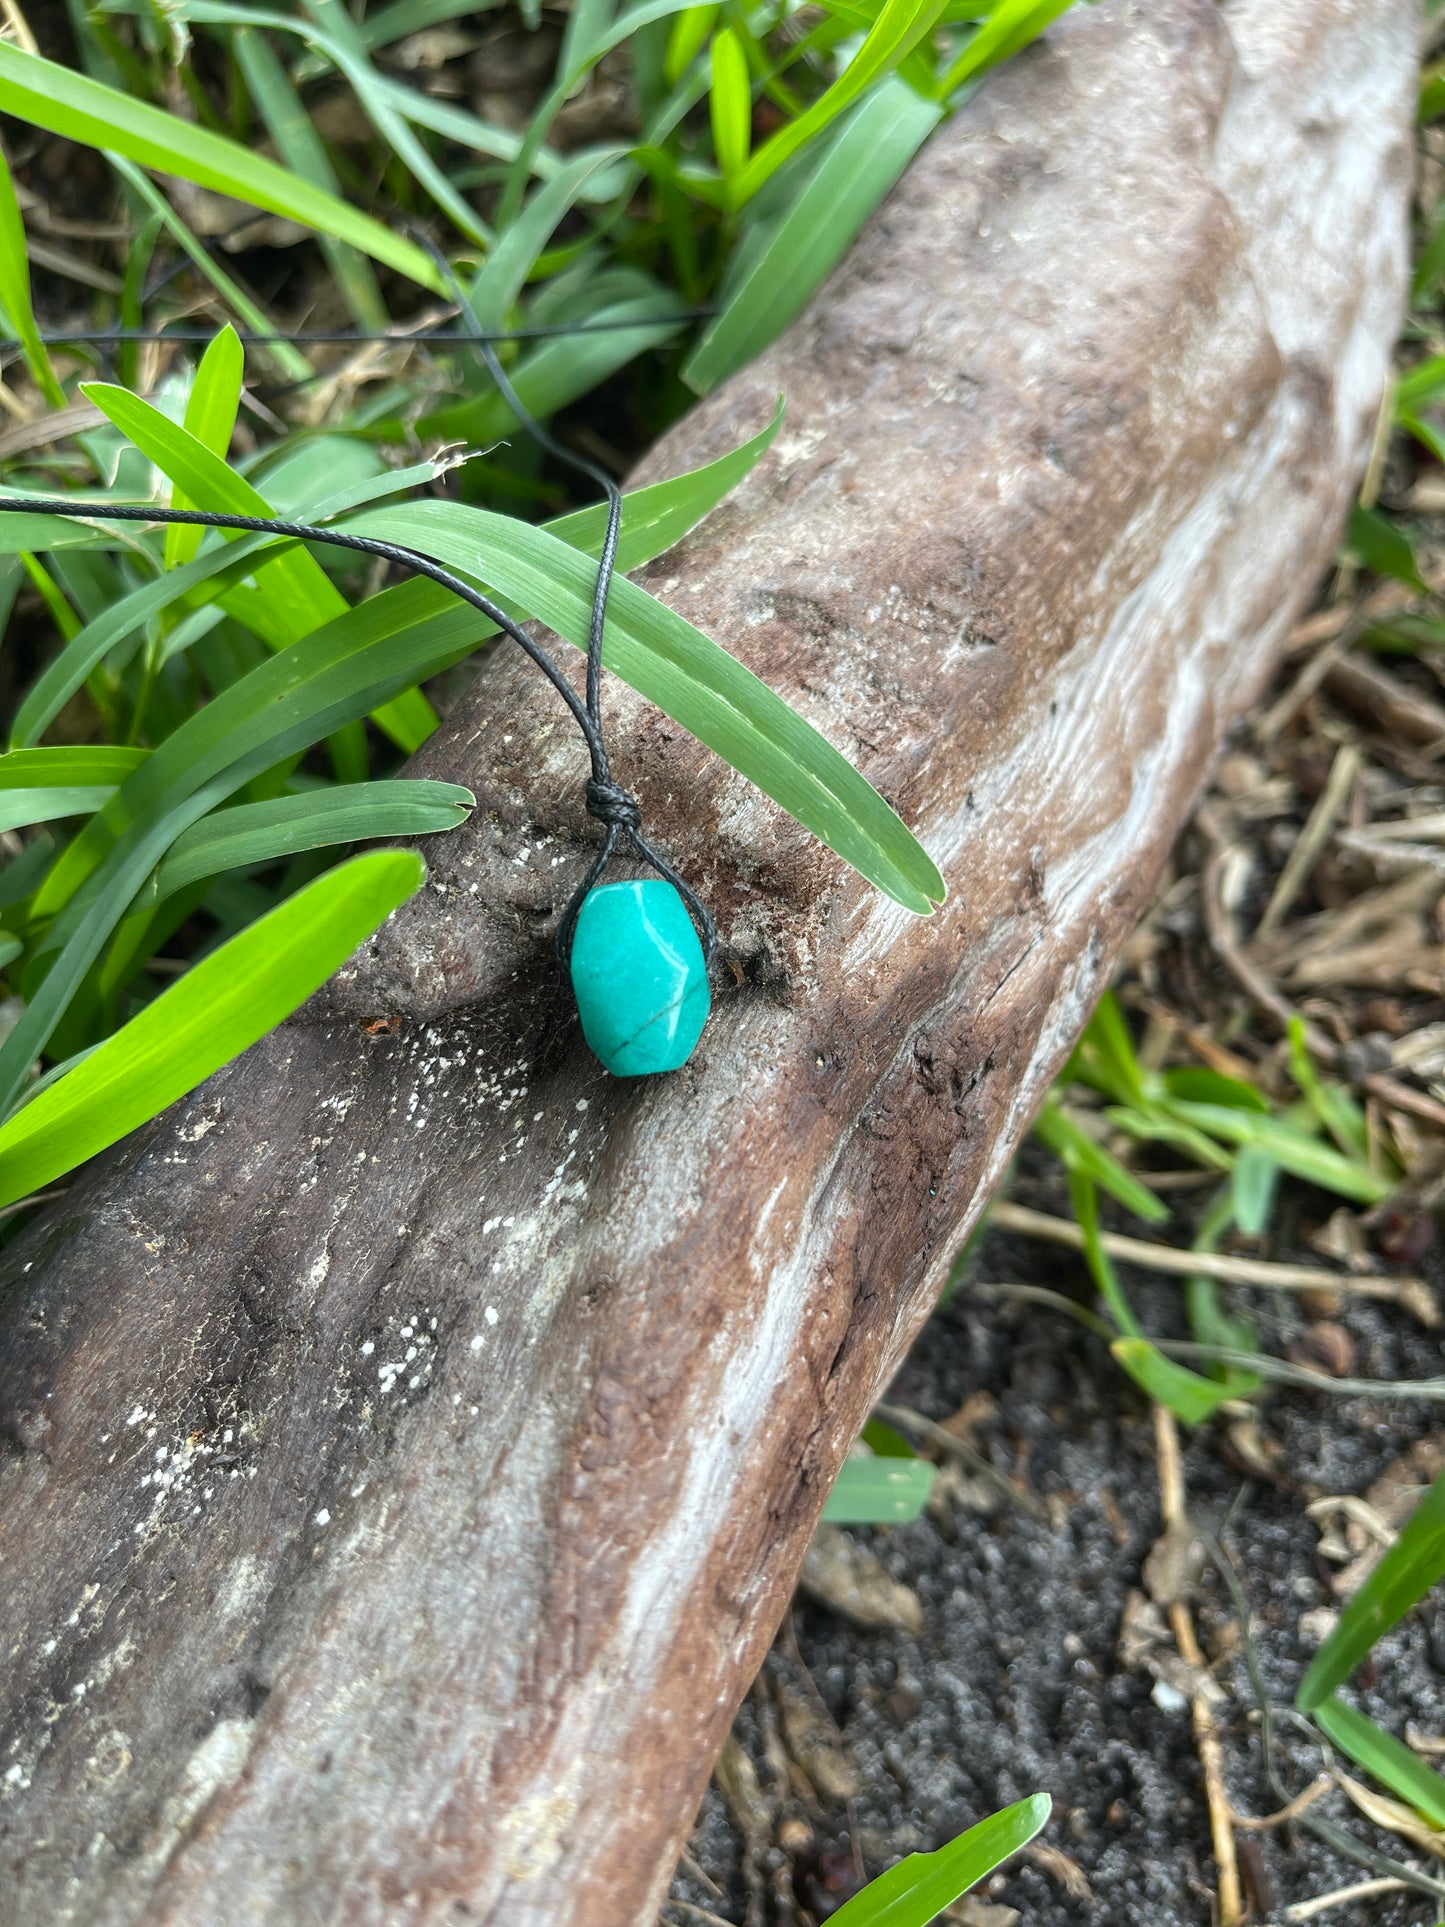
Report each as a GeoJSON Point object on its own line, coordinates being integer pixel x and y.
{"type": "Point", "coordinates": [408, 1444]}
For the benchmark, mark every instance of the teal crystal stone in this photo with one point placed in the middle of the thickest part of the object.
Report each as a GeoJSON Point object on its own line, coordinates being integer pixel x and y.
{"type": "Point", "coordinates": [639, 975]}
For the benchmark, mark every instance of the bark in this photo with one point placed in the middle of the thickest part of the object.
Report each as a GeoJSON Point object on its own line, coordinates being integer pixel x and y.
{"type": "Point", "coordinates": [410, 1441]}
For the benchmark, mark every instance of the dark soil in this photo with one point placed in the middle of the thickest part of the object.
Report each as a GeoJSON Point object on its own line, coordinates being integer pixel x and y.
{"type": "Point", "coordinates": [1018, 1682]}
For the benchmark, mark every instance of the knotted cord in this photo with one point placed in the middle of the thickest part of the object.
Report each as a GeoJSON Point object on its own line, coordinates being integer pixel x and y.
{"type": "Point", "coordinates": [605, 799]}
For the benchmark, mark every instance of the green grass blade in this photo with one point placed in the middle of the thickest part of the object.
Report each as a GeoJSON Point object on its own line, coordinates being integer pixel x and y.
{"type": "Point", "coordinates": [1198, 1085]}
{"type": "Point", "coordinates": [1189, 1396]}
{"type": "Point", "coordinates": [1253, 1183]}
{"type": "Point", "coordinates": [345, 46]}
{"type": "Point", "coordinates": [687, 39]}
{"type": "Point", "coordinates": [558, 371]}
{"type": "Point", "coordinates": [290, 701]}
{"type": "Point", "coordinates": [1331, 1103]}
{"type": "Point", "coordinates": [292, 363]}
{"type": "Point", "coordinates": [918, 1889]}
{"type": "Point", "coordinates": [27, 769]}
{"type": "Point", "coordinates": [222, 1005]}
{"type": "Point", "coordinates": [879, 1492]}
{"type": "Point", "coordinates": [71, 104]}
{"type": "Point", "coordinates": [304, 152]}
{"type": "Point", "coordinates": [43, 785]}
{"type": "Point", "coordinates": [730, 103]}
{"type": "Point", "coordinates": [294, 586]}
{"type": "Point", "coordinates": [656, 517]}
{"type": "Point", "coordinates": [253, 833]}
{"type": "Point", "coordinates": [1404, 1575]}
{"type": "Point", "coordinates": [698, 684]}
{"type": "Point", "coordinates": [1010, 27]}
{"type": "Point", "coordinates": [539, 126]}
{"type": "Point", "coordinates": [304, 594]}
{"type": "Point", "coordinates": [1302, 1156]}
{"type": "Point", "coordinates": [1390, 1760]}
{"type": "Point", "coordinates": [20, 808]}
{"type": "Point", "coordinates": [875, 145]}
{"type": "Point", "coordinates": [211, 410]}
{"type": "Point", "coordinates": [900, 26]}
{"type": "Point", "coordinates": [1070, 1142]}
{"type": "Point", "coordinates": [505, 271]}
{"type": "Point", "coordinates": [15, 291]}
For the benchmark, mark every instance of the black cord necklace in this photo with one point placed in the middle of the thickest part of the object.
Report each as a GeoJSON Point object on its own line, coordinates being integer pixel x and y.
{"type": "Point", "coordinates": [638, 969]}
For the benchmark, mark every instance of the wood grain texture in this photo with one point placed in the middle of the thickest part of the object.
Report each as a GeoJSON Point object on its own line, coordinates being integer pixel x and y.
{"type": "Point", "coordinates": [408, 1444]}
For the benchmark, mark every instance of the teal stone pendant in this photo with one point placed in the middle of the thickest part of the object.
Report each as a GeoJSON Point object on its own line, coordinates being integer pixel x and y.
{"type": "Point", "coordinates": [638, 971]}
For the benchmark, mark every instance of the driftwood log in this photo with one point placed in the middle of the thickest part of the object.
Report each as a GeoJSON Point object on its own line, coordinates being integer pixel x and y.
{"type": "Point", "coordinates": [408, 1443]}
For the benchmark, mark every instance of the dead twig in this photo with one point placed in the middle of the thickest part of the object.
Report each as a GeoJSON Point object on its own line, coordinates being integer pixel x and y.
{"type": "Point", "coordinates": [1291, 1811]}
{"type": "Point", "coordinates": [1362, 1890]}
{"type": "Point", "coordinates": [1206, 1736]}
{"type": "Point", "coordinates": [1007, 1216]}
{"type": "Point", "coordinates": [1310, 844]}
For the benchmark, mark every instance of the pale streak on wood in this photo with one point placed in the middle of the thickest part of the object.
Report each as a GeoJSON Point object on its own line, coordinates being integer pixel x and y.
{"type": "Point", "coordinates": [453, 1636]}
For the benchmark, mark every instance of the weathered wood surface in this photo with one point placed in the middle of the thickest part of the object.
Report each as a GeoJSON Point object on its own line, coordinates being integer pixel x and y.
{"type": "Point", "coordinates": [410, 1442]}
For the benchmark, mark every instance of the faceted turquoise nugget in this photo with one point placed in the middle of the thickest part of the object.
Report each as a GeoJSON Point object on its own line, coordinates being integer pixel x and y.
{"type": "Point", "coordinates": [639, 975]}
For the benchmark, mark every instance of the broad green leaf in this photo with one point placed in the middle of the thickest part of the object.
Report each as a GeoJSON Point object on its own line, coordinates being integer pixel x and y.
{"type": "Point", "coordinates": [656, 517]}
{"type": "Point", "coordinates": [293, 699]}
{"type": "Point", "coordinates": [653, 519]}
{"type": "Point", "coordinates": [251, 833]}
{"type": "Point", "coordinates": [227, 564]}
{"type": "Point", "coordinates": [71, 104]}
{"type": "Point", "coordinates": [304, 152]}
{"type": "Point", "coordinates": [41, 785]}
{"type": "Point", "coordinates": [303, 594]}
{"type": "Point", "coordinates": [28, 769]}
{"type": "Point", "coordinates": [222, 1005]}
{"type": "Point", "coordinates": [698, 684]}
{"type": "Point", "coordinates": [874, 146]}
{"type": "Point", "coordinates": [917, 1890]}
{"type": "Point", "coordinates": [211, 410]}
{"type": "Point", "coordinates": [1393, 1764]}
{"type": "Point", "coordinates": [22, 532]}
{"type": "Point", "coordinates": [879, 1491]}
{"type": "Point", "coordinates": [1304, 1157]}
{"type": "Point", "coordinates": [900, 26]}
{"type": "Point", "coordinates": [730, 103]}
{"type": "Point", "coordinates": [298, 594]}
{"type": "Point", "coordinates": [1068, 1140]}
{"type": "Point", "coordinates": [1406, 1572]}
{"type": "Point", "coordinates": [15, 291]}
